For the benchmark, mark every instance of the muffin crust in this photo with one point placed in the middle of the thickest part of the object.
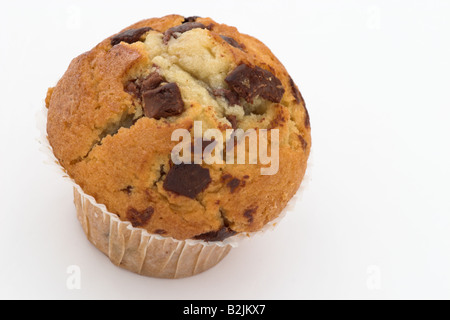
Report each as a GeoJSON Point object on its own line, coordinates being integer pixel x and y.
{"type": "Point", "coordinates": [109, 128]}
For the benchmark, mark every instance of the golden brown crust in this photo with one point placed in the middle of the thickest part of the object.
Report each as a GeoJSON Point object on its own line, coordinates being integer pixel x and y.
{"type": "Point", "coordinates": [125, 167]}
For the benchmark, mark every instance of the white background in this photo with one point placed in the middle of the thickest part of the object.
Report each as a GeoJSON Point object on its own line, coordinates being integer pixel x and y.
{"type": "Point", "coordinates": [374, 219]}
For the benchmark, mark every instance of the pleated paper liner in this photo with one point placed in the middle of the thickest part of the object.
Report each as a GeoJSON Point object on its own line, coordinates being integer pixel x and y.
{"type": "Point", "coordinates": [135, 249]}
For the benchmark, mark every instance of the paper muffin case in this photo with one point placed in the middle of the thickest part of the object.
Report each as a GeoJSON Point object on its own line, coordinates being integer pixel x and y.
{"type": "Point", "coordinates": [135, 249]}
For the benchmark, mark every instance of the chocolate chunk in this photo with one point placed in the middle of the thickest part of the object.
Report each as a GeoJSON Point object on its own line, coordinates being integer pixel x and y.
{"type": "Point", "coordinates": [295, 92]}
{"type": "Point", "coordinates": [303, 142]}
{"type": "Point", "coordinates": [249, 214]}
{"type": "Point", "coordinates": [234, 184]}
{"type": "Point", "coordinates": [137, 86]}
{"type": "Point", "coordinates": [250, 82]}
{"type": "Point", "coordinates": [190, 19]}
{"type": "Point", "coordinates": [152, 81]}
{"type": "Point", "coordinates": [163, 102]}
{"type": "Point", "coordinates": [133, 89]}
{"type": "Point", "coordinates": [233, 121]}
{"type": "Point", "coordinates": [232, 42]}
{"type": "Point", "coordinates": [187, 180]}
{"type": "Point", "coordinates": [129, 36]}
{"type": "Point", "coordinates": [218, 235]}
{"type": "Point", "coordinates": [128, 190]}
{"type": "Point", "coordinates": [231, 96]}
{"type": "Point", "coordinates": [139, 218]}
{"type": "Point", "coordinates": [226, 177]}
{"type": "Point", "coordinates": [181, 29]}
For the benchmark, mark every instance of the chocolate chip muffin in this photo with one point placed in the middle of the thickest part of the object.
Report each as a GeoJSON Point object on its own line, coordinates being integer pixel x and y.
{"type": "Point", "coordinates": [112, 115]}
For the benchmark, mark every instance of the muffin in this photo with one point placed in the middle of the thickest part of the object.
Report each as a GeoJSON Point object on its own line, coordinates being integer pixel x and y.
{"type": "Point", "coordinates": [111, 124]}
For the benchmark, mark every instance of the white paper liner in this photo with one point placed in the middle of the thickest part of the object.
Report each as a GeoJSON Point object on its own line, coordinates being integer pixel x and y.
{"type": "Point", "coordinates": [135, 250]}
{"type": "Point", "coordinates": [41, 121]}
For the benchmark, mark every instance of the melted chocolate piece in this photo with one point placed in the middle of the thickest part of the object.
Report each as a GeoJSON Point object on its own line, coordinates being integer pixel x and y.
{"type": "Point", "coordinates": [234, 184]}
{"type": "Point", "coordinates": [129, 36]}
{"type": "Point", "coordinates": [159, 101]}
{"type": "Point", "coordinates": [139, 218]}
{"type": "Point", "coordinates": [162, 102]}
{"type": "Point", "coordinates": [232, 42]}
{"type": "Point", "coordinates": [187, 180]}
{"type": "Point", "coordinates": [152, 81]}
{"type": "Point", "coordinates": [133, 89]}
{"type": "Point", "coordinates": [218, 235]}
{"type": "Point", "coordinates": [181, 29]}
{"type": "Point", "coordinates": [249, 214]}
{"type": "Point", "coordinates": [190, 19]}
{"type": "Point", "coordinates": [226, 177]}
{"type": "Point", "coordinates": [250, 82]}
{"type": "Point", "coordinates": [128, 190]}
{"type": "Point", "coordinates": [231, 96]}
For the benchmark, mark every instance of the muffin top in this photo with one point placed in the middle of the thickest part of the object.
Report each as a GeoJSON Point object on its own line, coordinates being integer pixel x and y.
{"type": "Point", "coordinates": [113, 115]}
